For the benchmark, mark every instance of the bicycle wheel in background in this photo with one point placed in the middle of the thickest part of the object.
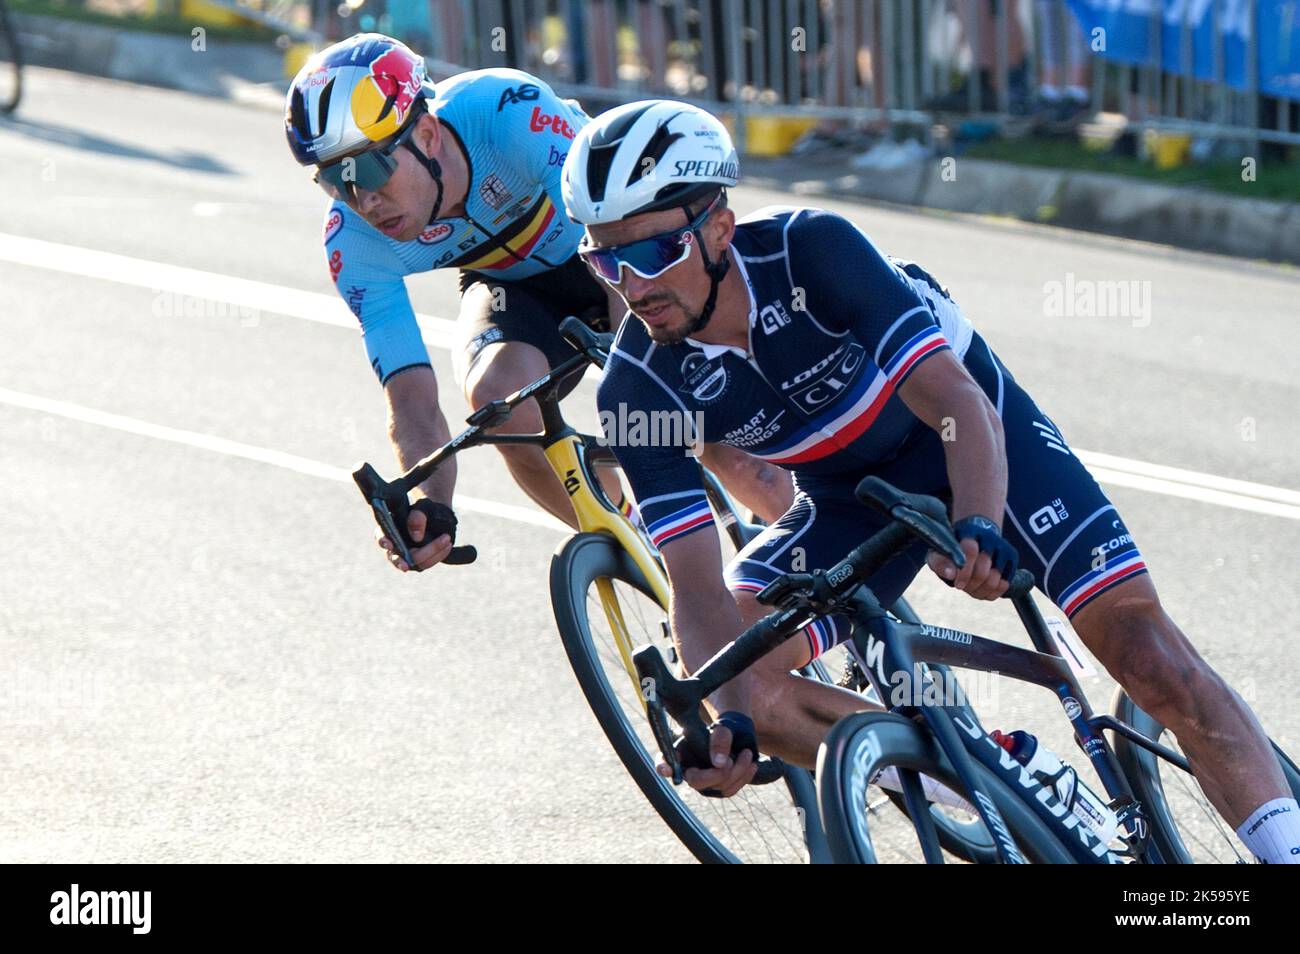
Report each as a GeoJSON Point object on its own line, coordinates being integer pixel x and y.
{"type": "Point", "coordinates": [1185, 827]}
{"type": "Point", "coordinates": [760, 824]}
{"type": "Point", "coordinates": [11, 74]}
{"type": "Point", "coordinates": [865, 743]}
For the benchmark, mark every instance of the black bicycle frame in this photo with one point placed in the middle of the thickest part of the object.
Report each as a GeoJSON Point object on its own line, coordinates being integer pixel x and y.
{"type": "Point", "coordinates": [892, 651]}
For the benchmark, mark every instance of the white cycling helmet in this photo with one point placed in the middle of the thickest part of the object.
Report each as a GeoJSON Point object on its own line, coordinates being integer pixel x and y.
{"type": "Point", "coordinates": [644, 157]}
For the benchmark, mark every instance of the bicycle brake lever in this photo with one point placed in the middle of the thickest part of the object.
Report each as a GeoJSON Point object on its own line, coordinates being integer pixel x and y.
{"type": "Point", "coordinates": [783, 587]}
{"type": "Point", "coordinates": [937, 535]}
{"type": "Point", "coordinates": [391, 507]}
{"type": "Point", "coordinates": [387, 505]}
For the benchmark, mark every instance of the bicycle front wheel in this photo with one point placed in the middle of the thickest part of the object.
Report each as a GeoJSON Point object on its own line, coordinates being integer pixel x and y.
{"type": "Point", "coordinates": [605, 611]}
{"type": "Point", "coordinates": [862, 745]}
{"type": "Point", "coordinates": [1185, 826]}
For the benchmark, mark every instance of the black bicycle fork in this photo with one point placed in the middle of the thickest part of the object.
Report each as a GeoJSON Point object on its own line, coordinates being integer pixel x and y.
{"type": "Point", "coordinates": [892, 653]}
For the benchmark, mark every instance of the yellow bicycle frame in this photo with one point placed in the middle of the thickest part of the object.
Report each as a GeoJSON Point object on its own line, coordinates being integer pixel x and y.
{"type": "Point", "coordinates": [568, 457]}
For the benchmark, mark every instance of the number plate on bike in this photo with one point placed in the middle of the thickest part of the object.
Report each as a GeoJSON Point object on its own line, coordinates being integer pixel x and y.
{"type": "Point", "coordinates": [1070, 647]}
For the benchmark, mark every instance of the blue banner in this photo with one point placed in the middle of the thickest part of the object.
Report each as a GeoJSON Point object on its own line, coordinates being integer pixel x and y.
{"type": "Point", "coordinates": [1126, 31]}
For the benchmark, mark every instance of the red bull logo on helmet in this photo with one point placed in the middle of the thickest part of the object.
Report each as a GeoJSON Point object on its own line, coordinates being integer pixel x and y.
{"type": "Point", "coordinates": [382, 102]}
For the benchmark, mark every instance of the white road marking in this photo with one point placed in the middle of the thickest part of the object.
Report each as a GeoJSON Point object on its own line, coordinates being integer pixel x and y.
{"type": "Point", "coordinates": [438, 332]}
{"type": "Point", "coordinates": [194, 283]}
{"type": "Point", "coordinates": [242, 293]}
{"type": "Point", "coordinates": [221, 445]}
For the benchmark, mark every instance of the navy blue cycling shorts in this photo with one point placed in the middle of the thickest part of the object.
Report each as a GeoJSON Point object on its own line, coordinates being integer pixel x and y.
{"type": "Point", "coordinates": [1066, 531]}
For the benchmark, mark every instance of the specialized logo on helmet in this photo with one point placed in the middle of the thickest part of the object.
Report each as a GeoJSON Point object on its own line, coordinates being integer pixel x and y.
{"type": "Point", "coordinates": [382, 101]}
{"type": "Point", "coordinates": [706, 168]}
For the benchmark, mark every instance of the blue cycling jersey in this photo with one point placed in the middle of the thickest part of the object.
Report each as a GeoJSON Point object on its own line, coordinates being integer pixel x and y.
{"type": "Point", "coordinates": [515, 133]}
{"type": "Point", "coordinates": [834, 328]}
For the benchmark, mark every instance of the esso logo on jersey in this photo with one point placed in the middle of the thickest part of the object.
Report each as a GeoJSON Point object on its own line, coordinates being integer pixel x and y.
{"type": "Point", "coordinates": [434, 234]}
{"type": "Point", "coordinates": [333, 224]}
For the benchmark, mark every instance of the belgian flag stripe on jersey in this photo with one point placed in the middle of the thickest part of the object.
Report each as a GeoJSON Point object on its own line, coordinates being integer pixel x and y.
{"type": "Point", "coordinates": [513, 243]}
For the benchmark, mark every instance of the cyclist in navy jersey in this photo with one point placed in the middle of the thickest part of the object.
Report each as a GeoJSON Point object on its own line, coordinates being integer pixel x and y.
{"type": "Point", "coordinates": [790, 335]}
{"type": "Point", "coordinates": [463, 175]}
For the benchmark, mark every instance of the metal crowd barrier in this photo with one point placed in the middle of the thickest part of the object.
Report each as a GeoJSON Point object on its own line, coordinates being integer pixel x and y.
{"type": "Point", "coordinates": [879, 63]}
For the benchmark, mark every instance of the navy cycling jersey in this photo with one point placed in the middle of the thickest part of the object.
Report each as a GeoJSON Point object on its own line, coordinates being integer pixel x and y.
{"type": "Point", "coordinates": [515, 133]}
{"type": "Point", "coordinates": [835, 327]}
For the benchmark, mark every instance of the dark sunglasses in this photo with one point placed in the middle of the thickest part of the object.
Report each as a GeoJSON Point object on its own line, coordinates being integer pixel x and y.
{"type": "Point", "coordinates": [649, 257]}
{"type": "Point", "coordinates": [367, 170]}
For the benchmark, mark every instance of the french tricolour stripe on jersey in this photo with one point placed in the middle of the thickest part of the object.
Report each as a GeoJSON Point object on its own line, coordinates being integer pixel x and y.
{"type": "Point", "coordinates": [1118, 568]}
{"type": "Point", "coordinates": [838, 428]}
{"type": "Point", "coordinates": [683, 521]}
{"type": "Point", "coordinates": [906, 357]}
{"type": "Point", "coordinates": [820, 632]}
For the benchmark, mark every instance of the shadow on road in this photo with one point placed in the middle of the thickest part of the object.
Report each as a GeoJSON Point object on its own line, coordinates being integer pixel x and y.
{"type": "Point", "coordinates": [77, 139]}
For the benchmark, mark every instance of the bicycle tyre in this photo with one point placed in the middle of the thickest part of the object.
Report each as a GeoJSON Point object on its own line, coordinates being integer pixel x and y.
{"type": "Point", "coordinates": [969, 841]}
{"type": "Point", "coordinates": [577, 565]}
{"type": "Point", "coordinates": [11, 64]}
{"type": "Point", "coordinates": [1143, 770]}
{"type": "Point", "coordinates": [862, 743]}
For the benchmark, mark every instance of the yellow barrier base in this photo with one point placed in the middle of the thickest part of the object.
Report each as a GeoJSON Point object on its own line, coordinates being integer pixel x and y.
{"type": "Point", "coordinates": [1167, 150]}
{"type": "Point", "coordinates": [767, 136]}
{"type": "Point", "coordinates": [210, 14]}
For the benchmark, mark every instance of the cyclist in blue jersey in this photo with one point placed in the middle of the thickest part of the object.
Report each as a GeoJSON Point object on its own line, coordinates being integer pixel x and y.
{"type": "Point", "coordinates": [790, 335]}
{"type": "Point", "coordinates": [464, 175]}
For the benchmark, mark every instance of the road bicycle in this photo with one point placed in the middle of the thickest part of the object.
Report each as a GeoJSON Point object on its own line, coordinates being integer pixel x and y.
{"type": "Point", "coordinates": [11, 64]}
{"type": "Point", "coordinates": [938, 736]}
{"type": "Point", "coordinates": [609, 593]}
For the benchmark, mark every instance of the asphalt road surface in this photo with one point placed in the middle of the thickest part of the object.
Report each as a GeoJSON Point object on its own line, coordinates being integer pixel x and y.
{"type": "Point", "coordinates": [205, 658]}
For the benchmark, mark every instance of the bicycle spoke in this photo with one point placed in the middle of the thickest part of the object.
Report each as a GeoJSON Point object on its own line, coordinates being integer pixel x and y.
{"type": "Point", "coordinates": [759, 823]}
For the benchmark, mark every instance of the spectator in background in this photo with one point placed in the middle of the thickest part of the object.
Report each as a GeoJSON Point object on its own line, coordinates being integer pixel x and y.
{"type": "Point", "coordinates": [1063, 98]}
{"type": "Point", "coordinates": [846, 62]}
{"type": "Point", "coordinates": [980, 25]}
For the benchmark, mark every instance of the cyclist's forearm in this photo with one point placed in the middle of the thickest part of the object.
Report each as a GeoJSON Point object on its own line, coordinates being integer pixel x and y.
{"type": "Point", "coordinates": [415, 432]}
{"type": "Point", "coordinates": [704, 624]}
{"type": "Point", "coordinates": [764, 488]}
{"type": "Point", "coordinates": [977, 465]}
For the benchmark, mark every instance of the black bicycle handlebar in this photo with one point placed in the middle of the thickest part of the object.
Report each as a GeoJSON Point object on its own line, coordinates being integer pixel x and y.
{"type": "Point", "coordinates": [926, 518]}
{"type": "Point", "coordinates": [388, 500]}
{"type": "Point", "coordinates": [664, 694]}
{"type": "Point", "coordinates": [594, 344]}
{"type": "Point", "coordinates": [391, 507]}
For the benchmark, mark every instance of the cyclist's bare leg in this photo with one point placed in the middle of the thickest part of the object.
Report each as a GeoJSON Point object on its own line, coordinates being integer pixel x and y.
{"type": "Point", "coordinates": [793, 714]}
{"type": "Point", "coordinates": [1147, 654]}
{"type": "Point", "coordinates": [500, 369]}
{"type": "Point", "coordinates": [762, 487]}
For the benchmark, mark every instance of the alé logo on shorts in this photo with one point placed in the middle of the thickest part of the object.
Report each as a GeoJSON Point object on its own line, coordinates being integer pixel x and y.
{"type": "Point", "coordinates": [1014, 771]}
{"type": "Point", "coordinates": [828, 378]}
{"type": "Point", "coordinates": [77, 907]}
{"type": "Point", "coordinates": [703, 378]}
{"type": "Point", "coordinates": [1045, 518]}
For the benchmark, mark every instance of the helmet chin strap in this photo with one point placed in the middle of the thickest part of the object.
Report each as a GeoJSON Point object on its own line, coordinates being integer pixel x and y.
{"type": "Point", "coordinates": [428, 163]}
{"type": "Point", "coordinates": [716, 272]}
{"type": "Point", "coordinates": [435, 170]}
